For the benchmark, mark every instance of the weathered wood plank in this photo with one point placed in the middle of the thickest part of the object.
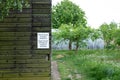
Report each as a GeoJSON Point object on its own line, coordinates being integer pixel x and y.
{"type": "Point", "coordinates": [42, 1]}
{"type": "Point", "coordinates": [41, 29]}
{"type": "Point", "coordinates": [18, 57]}
{"type": "Point", "coordinates": [34, 24]}
{"type": "Point", "coordinates": [24, 20]}
{"type": "Point", "coordinates": [18, 34]}
{"type": "Point", "coordinates": [42, 71]}
{"type": "Point", "coordinates": [29, 78]}
{"type": "Point", "coordinates": [15, 29]}
{"type": "Point", "coordinates": [25, 65]}
{"type": "Point", "coordinates": [18, 43]}
{"type": "Point", "coordinates": [19, 16]}
{"type": "Point", "coordinates": [41, 11]}
{"type": "Point", "coordinates": [15, 47]}
{"type": "Point", "coordinates": [43, 20]}
{"type": "Point", "coordinates": [17, 20]}
{"type": "Point", "coordinates": [36, 28]}
{"type": "Point", "coordinates": [25, 61]}
{"type": "Point", "coordinates": [17, 24]}
{"type": "Point", "coordinates": [41, 15]}
{"type": "Point", "coordinates": [24, 11]}
{"type": "Point", "coordinates": [23, 52]}
{"type": "Point", "coordinates": [41, 24]}
{"type": "Point", "coordinates": [37, 74]}
{"type": "Point", "coordinates": [15, 38]}
{"type": "Point", "coordinates": [41, 6]}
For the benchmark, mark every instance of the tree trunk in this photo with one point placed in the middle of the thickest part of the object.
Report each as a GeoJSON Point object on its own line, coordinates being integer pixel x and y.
{"type": "Point", "coordinates": [77, 45]}
{"type": "Point", "coordinates": [107, 43]}
{"type": "Point", "coordinates": [70, 45]}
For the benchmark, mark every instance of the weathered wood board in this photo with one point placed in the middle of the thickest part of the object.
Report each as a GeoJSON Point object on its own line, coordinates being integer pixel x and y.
{"type": "Point", "coordinates": [20, 58]}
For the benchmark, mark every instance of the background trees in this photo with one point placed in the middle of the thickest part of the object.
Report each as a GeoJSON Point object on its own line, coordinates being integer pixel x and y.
{"type": "Point", "coordinates": [72, 34]}
{"type": "Point", "coordinates": [6, 5]}
{"type": "Point", "coordinates": [117, 37]}
{"type": "Point", "coordinates": [67, 12]}
{"type": "Point", "coordinates": [108, 31]}
{"type": "Point", "coordinates": [70, 20]}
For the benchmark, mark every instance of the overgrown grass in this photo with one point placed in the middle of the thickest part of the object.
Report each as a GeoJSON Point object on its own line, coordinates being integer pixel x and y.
{"type": "Point", "coordinates": [88, 64]}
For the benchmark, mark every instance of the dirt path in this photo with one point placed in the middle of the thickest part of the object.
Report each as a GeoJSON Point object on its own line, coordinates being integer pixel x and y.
{"type": "Point", "coordinates": [55, 73]}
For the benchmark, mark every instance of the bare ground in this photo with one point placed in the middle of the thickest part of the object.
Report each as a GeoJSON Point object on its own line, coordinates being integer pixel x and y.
{"type": "Point", "coordinates": [55, 72]}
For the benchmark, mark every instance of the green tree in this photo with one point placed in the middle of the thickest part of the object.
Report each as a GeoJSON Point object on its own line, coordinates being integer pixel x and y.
{"type": "Point", "coordinates": [79, 34]}
{"type": "Point", "coordinates": [72, 34]}
{"type": "Point", "coordinates": [95, 34]}
{"type": "Point", "coordinates": [65, 33]}
{"type": "Point", "coordinates": [108, 33]}
{"type": "Point", "coordinates": [117, 37]}
{"type": "Point", "coordinates": [67, 12]}
{"type": "Point", "coordinates": [7, 5]}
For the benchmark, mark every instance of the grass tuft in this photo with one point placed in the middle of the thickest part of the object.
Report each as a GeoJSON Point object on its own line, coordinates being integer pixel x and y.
{"type": "Point", "coordinates": [88, 64]}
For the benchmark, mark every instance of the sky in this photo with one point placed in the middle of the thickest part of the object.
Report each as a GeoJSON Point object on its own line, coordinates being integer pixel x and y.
{"type": "Point", "coordinates": [98, 11]}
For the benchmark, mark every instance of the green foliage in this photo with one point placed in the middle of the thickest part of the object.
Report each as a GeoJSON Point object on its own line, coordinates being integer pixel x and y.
{"type": "Point", "coordinates": [100, 70]}
{"type": "Point", "coordinates": [72, 33]}
{"type": "Point", "coordinates": [90, 64]}
{"type": "Point", "coordinates": [108, 31]}
{"type": "Point", "coordinates": [79, 33]}
{"type": "Point", "coordinates": [65, 31]}
{"type": "Point", "coordinates": [71, 21]}
{"type": "Point", "coordinates": [67, 12]}
{"type": "Point", "coordinates": [7, 5]}
{"type": "Point", "coordinates": [117, 37]}
{"type": "Point", "coordinates": [95, 33]}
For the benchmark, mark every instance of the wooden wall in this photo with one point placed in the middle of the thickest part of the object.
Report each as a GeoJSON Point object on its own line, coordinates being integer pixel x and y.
{"type": "Point", "coordinates": [20, 59]}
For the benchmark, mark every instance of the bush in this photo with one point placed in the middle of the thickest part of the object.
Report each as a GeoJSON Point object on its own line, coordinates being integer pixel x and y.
{"type": "Point", "coordinates": [100, 70]}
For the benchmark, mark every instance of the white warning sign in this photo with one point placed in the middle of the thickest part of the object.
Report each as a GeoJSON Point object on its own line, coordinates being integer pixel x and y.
{"type": "Point", "coordinates": [42, 40]}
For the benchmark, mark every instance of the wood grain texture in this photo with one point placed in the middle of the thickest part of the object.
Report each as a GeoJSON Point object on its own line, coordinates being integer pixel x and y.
{"type": "Point", "coordinates": [20, 59]}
